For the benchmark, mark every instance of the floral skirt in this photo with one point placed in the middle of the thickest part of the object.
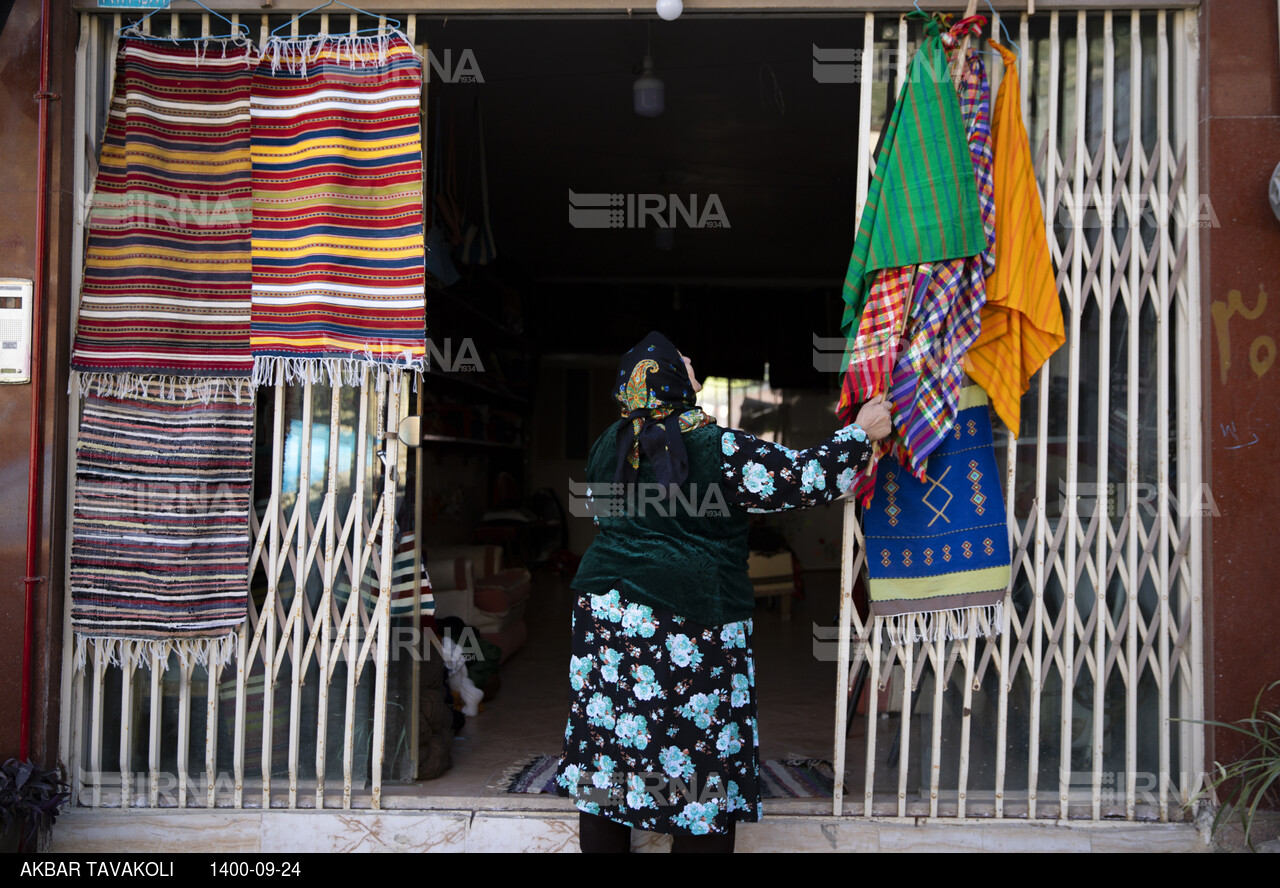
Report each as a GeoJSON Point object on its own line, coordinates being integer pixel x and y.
{"type": "Point", "coordinates": [662, 732]}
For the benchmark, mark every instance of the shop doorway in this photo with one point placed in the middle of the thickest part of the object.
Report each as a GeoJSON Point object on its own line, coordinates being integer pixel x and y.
{"type": "Point", "coordinates": [756, 117]}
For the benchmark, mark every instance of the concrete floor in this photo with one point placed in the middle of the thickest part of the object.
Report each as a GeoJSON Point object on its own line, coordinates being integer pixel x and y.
{"type": "Point", "coordinates": [527, 717]}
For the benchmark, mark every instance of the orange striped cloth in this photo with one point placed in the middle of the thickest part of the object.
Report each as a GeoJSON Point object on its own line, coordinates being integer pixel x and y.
{"type": "Point", "coordinates": [1022, 320]}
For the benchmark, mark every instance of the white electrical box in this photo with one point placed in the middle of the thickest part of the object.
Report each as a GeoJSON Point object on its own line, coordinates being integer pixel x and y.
{"type": "Point", "coordinates": [15, 330]}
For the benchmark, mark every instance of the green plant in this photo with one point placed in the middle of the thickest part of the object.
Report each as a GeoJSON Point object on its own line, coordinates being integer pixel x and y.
{"type": "Point", "coordinates": [1253, 777]}
{"type": "Point", "coordinates": [30, 797]}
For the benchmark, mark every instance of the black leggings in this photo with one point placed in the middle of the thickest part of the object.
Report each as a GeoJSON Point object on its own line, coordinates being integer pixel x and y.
{"type": "Point", "coordinates": [600, 835]}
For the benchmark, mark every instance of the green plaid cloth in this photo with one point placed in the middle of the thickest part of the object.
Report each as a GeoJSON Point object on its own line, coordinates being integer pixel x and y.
{"type": "Point", "coordinates": [922, 204]}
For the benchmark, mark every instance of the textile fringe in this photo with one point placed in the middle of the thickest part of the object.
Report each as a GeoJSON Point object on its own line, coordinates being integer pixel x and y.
{"type": "Point", "coordinates": [327, 371]}
{"type": "Point", "coordinates": [137, 652]}
{"type": "Point", "coordinates": [364, 51]}
{"type": "Point", "coordinates": [106, 384]}
{"type": "Point", "coordinates": [955, 624]}
{"type": "Point", "coordinates": [201, 46]}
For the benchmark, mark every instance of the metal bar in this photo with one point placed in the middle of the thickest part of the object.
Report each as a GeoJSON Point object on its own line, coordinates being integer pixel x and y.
{"type": "Point", "coordinates": [71, 713]}
{"type": "Point", "coordinates": [211, 734]}
{"type": "Point", "coordinates": [1192, 747]}
{"type": "Point", "coordinates": [995, 72]}
{"type": "Point", "coordinates": [153, 739]}
{"type": "Point", "coordinates": [242, 669]}
{"type": "Point", "coordinates": [1100, 499]}
{"type": "Point", "coordinates": [966, 724]}
{"type": "Point", "coordinates": [324, 612]}
{"type": "Point", "coordinates": [1070, 516]}
{"type": "Point", "coordinates": [388, 383]}
{"type": "Point", "coordinates": [184, 730]}
{"type": "Point", "coordinates": [907, 653]}
{"type": "Point", "coordinates": [415, 685]}
{"type": "Point", "coordinates": [1011, 486]}
{"type": "Point", "coordinates": [302, 505]}
{"type": "Point", "coordinates": [1163, 305]}
{"type": "Point", "coordinates": [1131, 468]}
{"type": "Point", "coordinates": [864, 111]}
{"type": "Point", "coordinates": [357, 504]}
{"type": "Point", "coordinates": [873, 701]}
{"type": "Point", "coordinates": [842, 653]}
{"type": "Point", "coordinates": [1042, 519]}
{"type": "Point", "coordinates": [95, 734]}
{"type": "Point", "coordinates": [1024, 37]}
{"type": "Point", "coordinates": [935, 758]}
{"type": "Point", "coordinates": [127, 670]}
{"type": "Point", "coordinates": [267, 619]}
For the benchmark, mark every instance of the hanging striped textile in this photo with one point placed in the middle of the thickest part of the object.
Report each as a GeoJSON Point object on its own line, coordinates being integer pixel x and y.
{"type": "Point", "coordinates": [167, 278]}
{"type": "Point", "coordinates": [160, 550]}
{"type": "Point", "coordinates": [938, 548]}
{"type": "Point", "coordinates": [401, 601]}
{"type": "Point", "coordinates": [338, 256]}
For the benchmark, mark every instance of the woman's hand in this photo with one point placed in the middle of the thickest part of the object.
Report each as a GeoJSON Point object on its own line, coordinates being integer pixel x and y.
{"type": "Point", "coordinates": [874, 419]}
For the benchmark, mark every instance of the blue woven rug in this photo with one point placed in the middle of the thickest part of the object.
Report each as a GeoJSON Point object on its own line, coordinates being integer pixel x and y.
{"type": "Point", "coordinates": [938, 549]}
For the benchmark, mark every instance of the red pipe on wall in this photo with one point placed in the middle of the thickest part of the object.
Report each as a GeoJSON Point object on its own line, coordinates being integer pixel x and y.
{"type": "Point", "coordinates": [35, 461]}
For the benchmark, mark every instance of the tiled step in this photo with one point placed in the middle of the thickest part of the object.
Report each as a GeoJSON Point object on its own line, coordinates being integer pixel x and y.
{"type": "Point", "coordinates": [482, 827]}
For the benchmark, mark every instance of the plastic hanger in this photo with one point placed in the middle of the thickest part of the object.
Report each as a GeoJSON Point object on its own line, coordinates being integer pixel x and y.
{"type": "Point", "coordinates": [239, 29]}
{"type": "Point", "coordinates": [392, 24]}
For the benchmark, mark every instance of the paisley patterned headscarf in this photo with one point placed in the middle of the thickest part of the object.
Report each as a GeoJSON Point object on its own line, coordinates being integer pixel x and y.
{"type": "Point", "coordinates": [658, 399]}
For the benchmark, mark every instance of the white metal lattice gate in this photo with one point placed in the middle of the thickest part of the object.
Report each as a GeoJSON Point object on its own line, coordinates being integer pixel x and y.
{"type": "Point", "coordinates": [291, 713]}
{"type": "Point", "coordinates": [1084, 707]}
{"type": "Point", "coordinates": [1094, 684]}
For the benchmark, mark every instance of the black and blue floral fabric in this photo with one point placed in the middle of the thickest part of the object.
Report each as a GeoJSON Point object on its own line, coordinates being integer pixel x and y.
{"type": "Point", "coordinates": [662, 731]}
{"type": "Point", "coordinates": [762, 476]}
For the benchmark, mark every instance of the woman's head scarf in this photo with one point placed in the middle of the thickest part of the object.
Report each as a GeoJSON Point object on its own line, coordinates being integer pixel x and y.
{"type": "Point", "coordinates": [657, 397]}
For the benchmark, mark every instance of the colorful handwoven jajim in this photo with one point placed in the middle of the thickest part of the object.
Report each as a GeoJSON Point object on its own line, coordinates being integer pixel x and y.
{"type": "Point", "coordinates": [938, 548]}
{"type": "Point", "coordinates": [338, 255]}
{"type": "Point", "coordinates": [875, 350]}
{"type": "Point", "coordinates": [167, 278]}
{"type": "Point", "coordinates": [943, 318]}
{"type": "Point", "coordinates": [160, 550]}
{"type": "Point", "coordinates": [922, 205]}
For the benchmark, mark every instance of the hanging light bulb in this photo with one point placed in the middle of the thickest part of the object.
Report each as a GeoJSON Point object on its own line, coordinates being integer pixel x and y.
{"type": "Point", "coordinates": [669, 10]}
{"type": "Point", "coordinates": [648, 91]}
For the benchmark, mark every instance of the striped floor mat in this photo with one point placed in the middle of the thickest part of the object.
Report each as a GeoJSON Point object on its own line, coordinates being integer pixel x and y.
{"type": "Point", "coordinates": [160, 552]}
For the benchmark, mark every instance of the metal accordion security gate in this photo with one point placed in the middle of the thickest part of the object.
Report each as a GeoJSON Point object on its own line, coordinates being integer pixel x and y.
{"type": "Point", "coordinates": [1085, 706]}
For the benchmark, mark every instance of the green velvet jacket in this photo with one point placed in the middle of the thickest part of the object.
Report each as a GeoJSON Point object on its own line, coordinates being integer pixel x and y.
{"type": "Point", "coordinates": [686, 554]}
